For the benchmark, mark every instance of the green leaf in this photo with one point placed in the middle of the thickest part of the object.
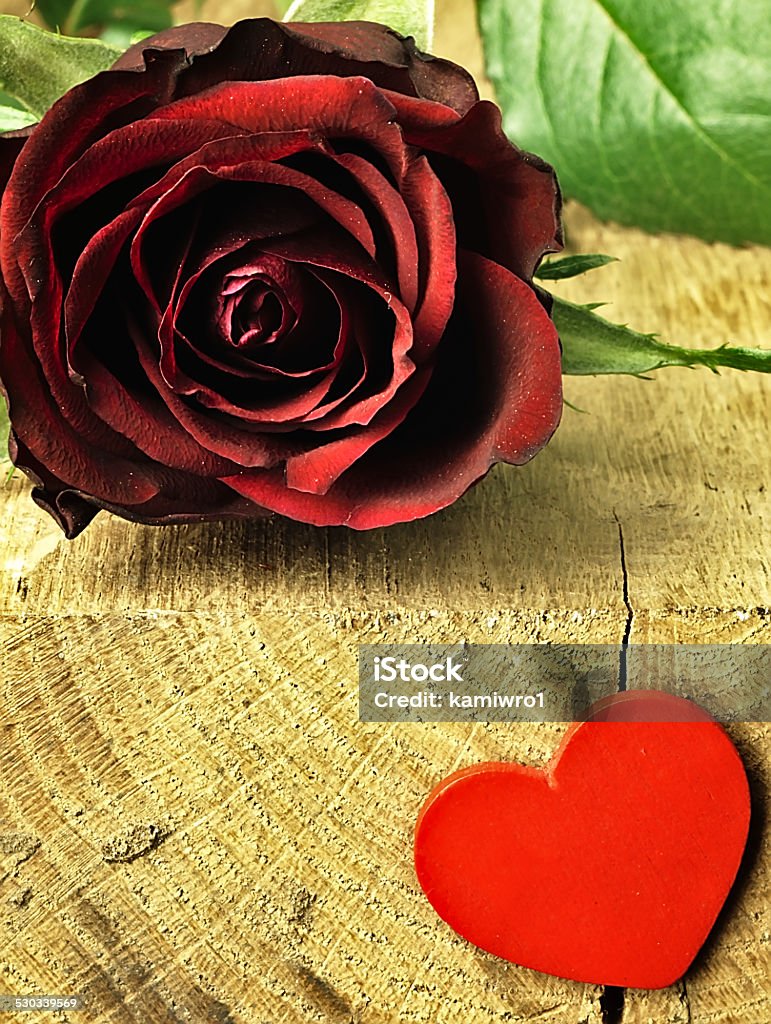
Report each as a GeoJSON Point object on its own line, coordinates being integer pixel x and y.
{"type": "Point", "coordinates": [37, 67]}
{"type": "Point", "coordinates": [592, 345]}
{"type": "Point", "coordinates": [71, 16]}
{"type": "Point", "coordinates": [408, 17]}
{"type": "Point", "coordinates": [123, 34]}
{"type": "Point", "coordinates": [9, 101]}
{"type": "Point", "coordinates": [653, 113]}
{"type": "Point", "coordinates": [143, 33]}
{"type": "Point", "coordinates": [11, 118]}
{"type": "Point", "coordinates": [571, 266]}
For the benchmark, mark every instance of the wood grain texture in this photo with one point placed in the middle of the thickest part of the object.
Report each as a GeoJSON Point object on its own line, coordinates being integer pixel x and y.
{"type": "Point", "coordinates": [193, 824]}
{"type": "Point", "coordinates": [210, 822]}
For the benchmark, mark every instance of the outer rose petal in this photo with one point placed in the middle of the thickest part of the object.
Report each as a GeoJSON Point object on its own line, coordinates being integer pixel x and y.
{"type": "Point", "coordinates": [73, 510]}
{"type": "Point", "coordinates": [59, 452]}
{"type": "Point", "coordinates": [506, 345]}
{"type": "Point", "coordinates": [11, 144]}
{"type": "Point", "coordinates": [260, 48]}
{"type": "Point", "coordinates": [434, 78]}
{"type": "Point", "coordinates": [328, 105]}
{"type": "Point", "coordinates": [431, 212]}
{"type": "Point", "coordinates": [516, 192]}
{"type": "Point", "coordinates": [195, 39]}
{"type": "Point", "coordinates": [115, 96]}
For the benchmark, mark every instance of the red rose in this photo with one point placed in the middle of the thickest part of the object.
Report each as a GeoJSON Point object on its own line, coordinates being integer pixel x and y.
{"type": "Point", "coordinates": [282, 268]}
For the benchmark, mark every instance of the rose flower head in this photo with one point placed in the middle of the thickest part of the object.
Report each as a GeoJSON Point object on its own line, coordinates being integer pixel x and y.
{"type": "Point", "coordinates": [273, 268]}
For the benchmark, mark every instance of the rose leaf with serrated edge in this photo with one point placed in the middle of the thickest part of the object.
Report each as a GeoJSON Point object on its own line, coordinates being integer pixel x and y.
{"type": "Point", "coordinates": [572, 266]}
{"type": "Point", "coordinates": [593, 345]}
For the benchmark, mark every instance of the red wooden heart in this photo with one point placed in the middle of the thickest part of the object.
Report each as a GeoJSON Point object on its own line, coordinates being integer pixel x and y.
{"type": "Point", "coordinates": [610, 866]}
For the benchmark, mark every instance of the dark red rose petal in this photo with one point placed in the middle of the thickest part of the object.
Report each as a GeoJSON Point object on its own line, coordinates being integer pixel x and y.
{"type": "Point", "coordinates": [98, 459]}
{"type": "Point", "coordinates": [327, 107]}
{"type": "Point", "coordinates": [412, 474]}
{"type": "Point", "coordinates": [11, 145]}
{"type": "Point", "coordinates": [527, 402]}
{"type": "Point", "coordinates": [431, 212]}
{"type": "Point", "coordinates": [433, 78]}
{"type": "Point", "coordinates": [73, 510]}
{"type": "Point", "coordinates": [316, 470]}
{"type": "Point", "coordinates": [195, 39]}
{"type": "Point", "coordinates": [261, 49]}
{"type": "Point", "coordinates": [148, 423]}
{"type": "Point", "coordinates": [206, 503]}
{"type": "Point", "coordinates": [417, 117]}
{"type": "Point", "coordinates": [336, 107]}
{"type": "Point", "coordinates": [50, 151]}
{"type": "Point", "coordinates": [229, 439]}
{"type": "Point", "coordinates": [91, 273]}
{"type": "Point", "coordinates": [520, 198]}
{"type": "Point", "coordinates": [395, 216]}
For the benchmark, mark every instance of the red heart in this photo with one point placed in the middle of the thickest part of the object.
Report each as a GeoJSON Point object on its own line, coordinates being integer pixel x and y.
{"type": "Point", "coordinates": [610, 866]}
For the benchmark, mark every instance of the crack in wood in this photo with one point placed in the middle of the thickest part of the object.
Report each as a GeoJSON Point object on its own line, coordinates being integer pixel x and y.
{"type": "Point", "coordinates": [685, 1001]}
{"type": "Point", "coordinates": [612, 1004]}
{"type": "Point", "coordinates": [613, 996]}
{"type": "Point", "coordinates": [622, 664]}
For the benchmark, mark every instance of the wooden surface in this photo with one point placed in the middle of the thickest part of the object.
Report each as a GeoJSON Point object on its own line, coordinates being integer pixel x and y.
{"type": "Point", "coordinates": [194, 826]}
